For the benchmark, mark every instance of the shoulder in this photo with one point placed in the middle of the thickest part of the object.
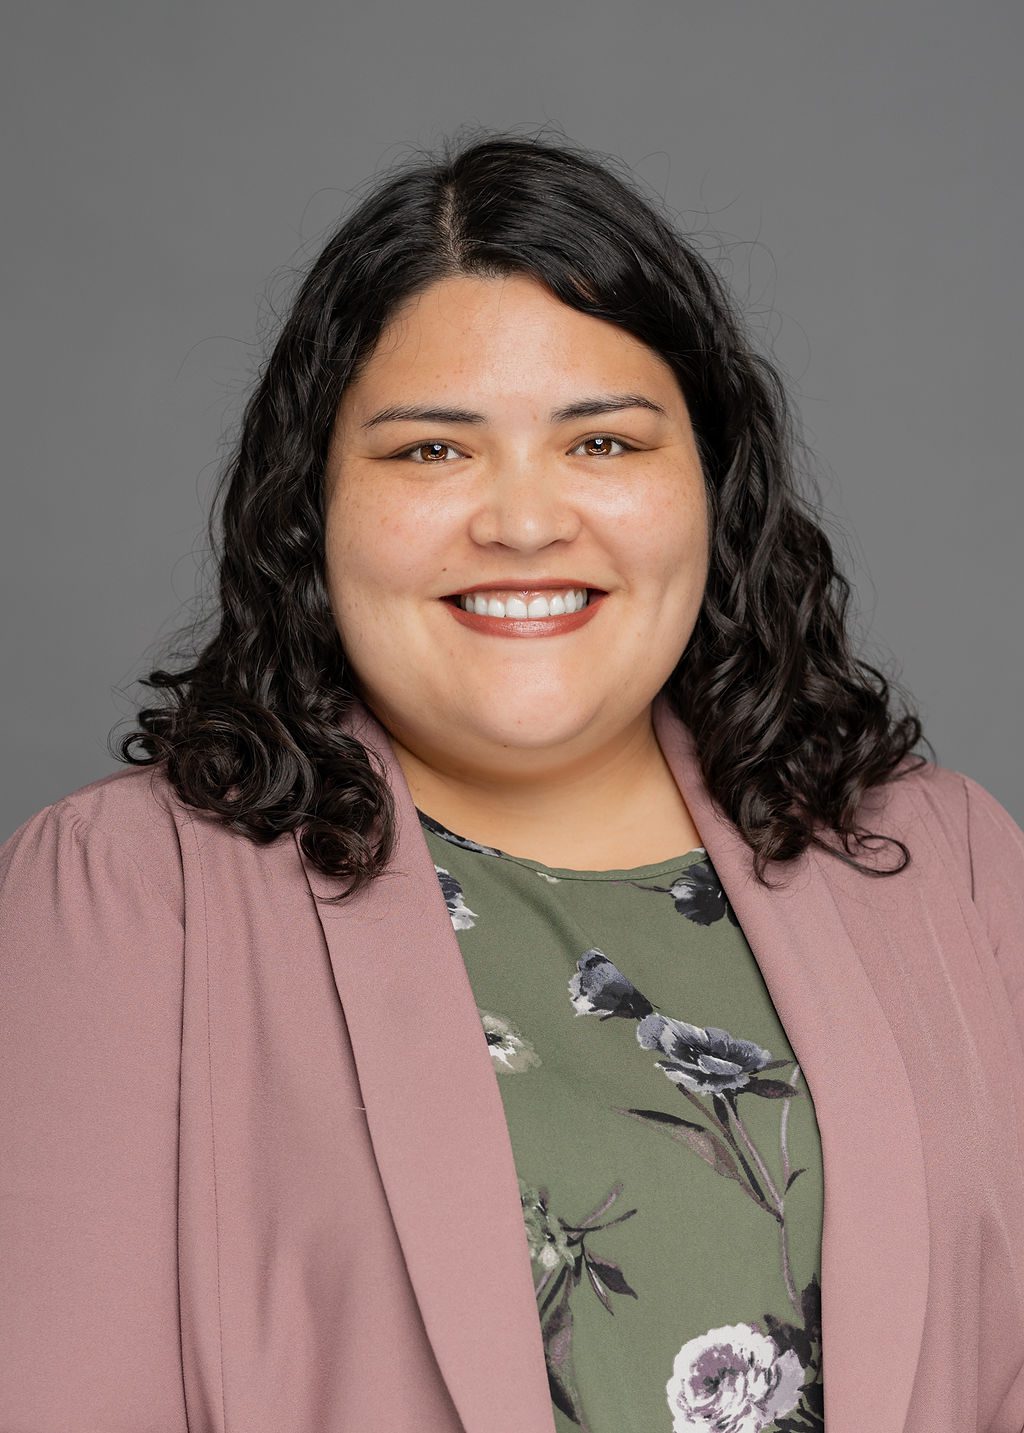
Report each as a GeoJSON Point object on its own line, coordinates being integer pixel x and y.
{"type": "Point", "coordinates": [118, 829]}
{"type": "Point", "coordinates": [980, 849]}
{"type": "Point", "coordinates": [129, 834]}
{"type": "Point", "coordinates": [962, 815]}
{"type": "Point", "coordinates": [935, 797]}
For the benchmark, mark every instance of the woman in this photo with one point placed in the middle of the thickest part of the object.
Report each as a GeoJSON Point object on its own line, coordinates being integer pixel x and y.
{"type": "Point", "coordinates": [529, 663]}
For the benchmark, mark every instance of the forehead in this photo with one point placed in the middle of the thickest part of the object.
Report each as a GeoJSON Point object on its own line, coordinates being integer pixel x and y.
{"type": "Point", "coordinates": [506, 339]}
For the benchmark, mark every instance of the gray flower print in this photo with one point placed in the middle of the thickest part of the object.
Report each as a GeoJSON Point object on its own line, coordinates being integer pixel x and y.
{"type": "Point", "coordinates": [707, 1060]}
{"type": "Point", "coordinates": [703, 1064]}
{"type": "Point", "coordinates": [462, 917]}
{"type": "Point", "coordinates": [463, 841]}
{"type": "Point", "coordinates": [600, 988]}
{"type": "Point", "coordinates": [697, 894]}
{"type": "Point", "coordinates": [469, 845]}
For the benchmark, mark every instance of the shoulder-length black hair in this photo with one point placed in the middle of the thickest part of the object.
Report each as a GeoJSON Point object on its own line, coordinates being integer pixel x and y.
{"type": "Point", "coordinates": [791, 728]}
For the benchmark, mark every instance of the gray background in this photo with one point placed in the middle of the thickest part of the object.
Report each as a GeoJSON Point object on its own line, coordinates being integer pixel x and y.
{"type": "Point", "coordinates": [170, 169]}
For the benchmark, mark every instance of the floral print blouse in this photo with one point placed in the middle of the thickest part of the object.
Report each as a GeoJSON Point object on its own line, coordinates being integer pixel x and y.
{"type": "Point", "coordinates": [665, 1141]}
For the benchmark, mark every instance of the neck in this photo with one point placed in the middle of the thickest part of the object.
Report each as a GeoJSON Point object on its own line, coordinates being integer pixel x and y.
{"type": "Point", "coordinates": [615, 806]}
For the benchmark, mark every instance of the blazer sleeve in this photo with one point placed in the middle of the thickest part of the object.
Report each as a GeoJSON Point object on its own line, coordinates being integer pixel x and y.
{"type": "Point", "coordinates": [91, 968]}
{"type": "Point", "coordinates": [996, 846]}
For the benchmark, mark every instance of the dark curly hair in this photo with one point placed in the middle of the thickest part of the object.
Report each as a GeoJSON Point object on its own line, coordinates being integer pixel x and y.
{"type": "Point", "coordinates": [790, 727]}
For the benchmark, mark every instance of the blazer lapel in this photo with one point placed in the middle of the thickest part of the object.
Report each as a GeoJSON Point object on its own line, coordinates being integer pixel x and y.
{"type": "Point", "coordinates": [440, 1137]}
{"type": "Point", "coordinates": [437, 1123]}
{"type": "Point", "coordinates": [875, 1238]}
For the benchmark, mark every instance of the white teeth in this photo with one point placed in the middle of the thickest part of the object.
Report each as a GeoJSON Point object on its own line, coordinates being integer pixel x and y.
{"type": "Point", "coordinates": [571, 600]}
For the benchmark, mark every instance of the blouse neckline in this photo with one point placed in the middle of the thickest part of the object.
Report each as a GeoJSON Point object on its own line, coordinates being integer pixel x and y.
{"type": "Point", "coordinates": [565, 873]}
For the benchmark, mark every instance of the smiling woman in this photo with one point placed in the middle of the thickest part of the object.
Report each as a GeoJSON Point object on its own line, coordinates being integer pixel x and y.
{"type": "Point", "coordinates": [515, 499]}
{"type": "Point", "coordinates": [411, 1037]}
{"type": "Point", "coordinates": [507, 368]}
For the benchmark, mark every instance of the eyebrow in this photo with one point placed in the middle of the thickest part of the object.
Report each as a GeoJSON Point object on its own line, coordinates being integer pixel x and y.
{"type": "Point", "coordinates": [582, 408]}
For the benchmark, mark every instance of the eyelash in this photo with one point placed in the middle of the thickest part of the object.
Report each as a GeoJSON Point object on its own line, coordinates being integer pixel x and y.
{"type": "Point", "coordinates": [629, 447]}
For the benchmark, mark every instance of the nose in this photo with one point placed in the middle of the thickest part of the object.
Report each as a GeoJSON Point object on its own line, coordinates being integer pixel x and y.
{"type": "Point", "coordinates": [525, 507]}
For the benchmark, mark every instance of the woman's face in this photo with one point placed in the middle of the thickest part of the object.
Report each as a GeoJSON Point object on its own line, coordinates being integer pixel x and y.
{"type": "Point", "coordinates": [419, 508]}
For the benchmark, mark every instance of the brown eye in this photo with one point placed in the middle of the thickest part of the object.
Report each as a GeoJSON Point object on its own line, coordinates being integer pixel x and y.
{"type": "Point", "coordinates": [605, 438]}
{"type": "Point", "coordinates": [435, 461]}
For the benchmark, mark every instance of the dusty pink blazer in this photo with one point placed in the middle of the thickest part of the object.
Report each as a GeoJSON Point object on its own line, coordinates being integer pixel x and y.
{"type": "Point", "coordinates": [255, 1175]}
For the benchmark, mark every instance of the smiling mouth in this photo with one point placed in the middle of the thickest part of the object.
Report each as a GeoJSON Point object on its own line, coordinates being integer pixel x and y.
{"type": "Point", "coordinates": [533, 619]}
{"type": "Point", "coordinates": [522, 606]}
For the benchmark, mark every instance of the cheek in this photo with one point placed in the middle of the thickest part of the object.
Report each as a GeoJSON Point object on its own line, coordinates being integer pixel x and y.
{"type": "Point", "coordinates": [365, 535]}
{"type": "Point", "coordinates": [669, 535]}
{"type": "Point", "coordinates": [381, 550]}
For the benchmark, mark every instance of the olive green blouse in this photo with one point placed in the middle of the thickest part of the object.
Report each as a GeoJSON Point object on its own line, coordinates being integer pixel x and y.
{"type": "Point", "coordinates": [665, 1140]}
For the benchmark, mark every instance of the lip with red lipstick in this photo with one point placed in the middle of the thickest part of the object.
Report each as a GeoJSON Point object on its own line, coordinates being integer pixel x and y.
{"type": "Point", "coordinates": [525, 626]}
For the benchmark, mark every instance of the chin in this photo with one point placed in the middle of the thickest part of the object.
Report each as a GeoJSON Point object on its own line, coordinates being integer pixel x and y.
{"type": "Point", "coordinates": [529, 725]}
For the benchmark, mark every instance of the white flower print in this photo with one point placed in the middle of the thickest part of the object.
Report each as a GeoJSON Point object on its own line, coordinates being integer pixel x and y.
{"type": "Point", "coordinates": [511, 1053]}
{"type": "Point", "coordinates": [733, 1380]}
